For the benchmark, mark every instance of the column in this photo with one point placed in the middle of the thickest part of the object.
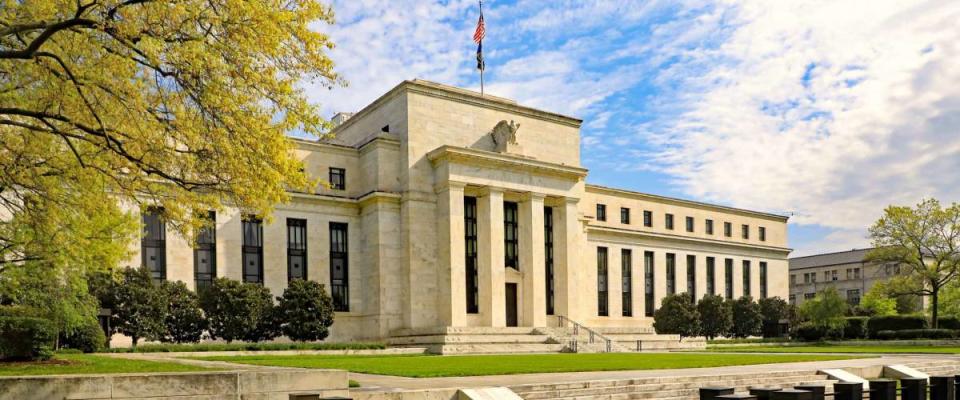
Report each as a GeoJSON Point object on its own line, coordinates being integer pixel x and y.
{"type": "Point", "coordinates": [451, 298]}
{"type": "Point", "coordinates": [660, 277]}
{"type": "Point", "coordinates": [490, 254]}
{"type": "Point", "coordinates": [532, 261]}
{"type": "Point", "coordinates": [567, 257]}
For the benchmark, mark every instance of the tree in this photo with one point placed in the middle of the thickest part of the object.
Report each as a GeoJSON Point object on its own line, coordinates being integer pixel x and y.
{"type": "Point", "coordinates": [715, 316]}
{"type": "Point", "coordinates": [951, 300]}
{"type": "Point", "coordinates": [139, 307]}
{"type": "Point", "coordinates": [826, 311]}
{"type": "Point", "coordinates": [238, 311]}
{"type": "Point", "coordinates": [925, 242]}
{"type": "Point", "coordinates": [305, 311]}
{"type": "Point", "coordinates": [677, 315]}
{"type": "Point", "coordinates": [773, 310]}
{"type": "Point", "coordinates": [877, 302]}
{"type": "Point", "coordinates": [184, 320]}
{"type": "Point", "coordinates": [746, 317]}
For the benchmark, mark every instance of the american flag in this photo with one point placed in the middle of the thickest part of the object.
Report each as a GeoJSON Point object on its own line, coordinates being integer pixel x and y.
{"type": "Point", "coordinates": [478, 39]}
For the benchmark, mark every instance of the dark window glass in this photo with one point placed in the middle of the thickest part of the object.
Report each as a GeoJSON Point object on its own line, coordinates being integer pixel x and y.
{"type": "Point", "coordinates": [762, 234]}
{"type": "Point", "coordinates": [692, 277]}
{"type": "Point", "coordinates": [470, 244]}
{"type": "Point", "coordinates": [338, 178]}
{"type": "Point", "coordinates": [153, 246]}
{"type": "Point", "coordinates": [728, 277]}
{"type": "Point", "coordinates": [648, 219]}
{"type": "Point", "coordinates": [626, 274]}
{"type": "Point", "coordinates": [746, 278]}
{"type": "Point", "coordinates": [708, 227]}
{"type": "Point", "coordinates": [602, 301]}
{"type": "Point", "coordinates": [624, 215]}
{"type": "Point", "coordinates": [648, 293]}
{"type": "Point", "coordinates": [548, 256]}
{"type": "Point", "coordinates": [668, 221]}
{"type": "Point", "coordinates": [727, 229]}
{"type": "Point", "coordinates": [205, 253]}
{"type": "Point", "coordinates": [511, 240]}
{"type": "Point", "coordinates": [745, 231]}
{"type": "Point", "coordinates": [601, 212]}
{"type": "Point", "coordinates": [689, 224]}
{"type": "Point", "coordinates": [252, 250]}
{"type": "Point", "coordinates": [671, 273]}
{"type": "Point", "coordinates": [296, 249]}
{"type": "Point", "coordinates": [711, 276]}
{"type": "Point", "coordinates": [339, 267]}
{"type": "Point", "coordinates": [763, 279]}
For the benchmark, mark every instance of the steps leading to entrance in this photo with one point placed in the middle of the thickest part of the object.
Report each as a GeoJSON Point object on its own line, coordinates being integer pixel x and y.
{"type": "Point", "coordinates": [475, 340]}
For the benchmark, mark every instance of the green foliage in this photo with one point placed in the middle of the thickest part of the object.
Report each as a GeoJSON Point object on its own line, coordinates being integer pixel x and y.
{"type": "Point", "coordinates": [139, 306]}
{"type": "Point", "coordinates": [950, 300]}
{"type": "Point", "coordinates": [263, 346]}
{"type": "Point", "coordinates": [305, 311]}
{"type": "Point", "coordinates": [894, 323]}
{"type": "Point", "coordinates": [773, 310]}
{"type": "Point", "coordinates": [747, 319]}
{"type": "Point", "coordinates": [906, 334]}
{"type": "Point", "coordinates": [716, 318]}
{"type": "Point", "coordinates": [809, 332]}
{"type": "Point", "coordinates": [950, 323]}
{"type": "Point", "coordinates": [677, 315]}
{"type": "Point", "coordinates": [826, 310]}
{"type": "Point", "coordinates": [877, 301]}
{"type": "Point", "coordinates": [88, 339]}
{"type": "Point", "coordinates": [855, 328]}
{"type": "Point", "coordinates": [239, 311]}
{"type": "Point", "coordinates": [26, 338]}
{"type": "Point", "coordinates": [184, 319]}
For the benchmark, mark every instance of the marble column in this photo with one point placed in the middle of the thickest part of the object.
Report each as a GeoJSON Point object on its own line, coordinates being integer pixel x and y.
{"type": "Point", "coordinates": [490, 257]}
{"type": "Point", "coordinates": [451, 298]}
{"type": "Point", "coordinates": [567, 258]}
{"type": "Point", "coordinates": [532, 261]}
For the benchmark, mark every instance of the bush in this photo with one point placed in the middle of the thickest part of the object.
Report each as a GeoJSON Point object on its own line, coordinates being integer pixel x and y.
{"type": "Point", "coordinates": [894, 323]}
{"type": "Point", "coordinates": [26, 338]}
{"type": "Point", "coordinates": [949, 323]}
{"type": "Point", "coordinates": [917, 334]}
{"type": "Point", "coordinates": [677, 315]}
{"type": "Point", "coordinates": [808, 332]}
{"type": "Point", "coordinates": [773, 310]}
{"type": "Point", "coordinates": [184, 320]}
{"type": "Point", "coordinates": [139, 307]}
{"type": "Point", "coordinates": [715, 316]}
{"type": "Point", "coordinates": [746, 318]}
{"type": "Point", "coordinates": [89, 338]}
{"type": "Point", "coordinates": [855, 328]}
{"type": "Point", "coordinates": [305, 311]}
{"type": "Point", "coordinates": [239, 311]}
{"type": "Point", "coordinates": [268, 346]}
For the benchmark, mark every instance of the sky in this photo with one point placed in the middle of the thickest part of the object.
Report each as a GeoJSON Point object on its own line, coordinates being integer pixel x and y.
{"type": "Point", "coordinates": [828, 111]}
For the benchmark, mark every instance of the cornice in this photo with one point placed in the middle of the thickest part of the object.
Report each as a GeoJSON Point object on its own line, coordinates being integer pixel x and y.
{"type": "Point", "coordinates": [678, 238]}
{"type": "Point", "coordinates": [682, 202]}
{"type": "Point", "coordinates": [461, 155]}
{"type": "Point", "coordinates": [328, 147]}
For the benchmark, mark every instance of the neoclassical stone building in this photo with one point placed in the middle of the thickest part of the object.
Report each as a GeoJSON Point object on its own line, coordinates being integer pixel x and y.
{"type": "Point", "coordinates": [452, 209]}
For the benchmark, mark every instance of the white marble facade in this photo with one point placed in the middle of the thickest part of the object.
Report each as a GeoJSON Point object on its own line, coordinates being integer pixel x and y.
{"type": "Point", "coordinates": [424, 168]}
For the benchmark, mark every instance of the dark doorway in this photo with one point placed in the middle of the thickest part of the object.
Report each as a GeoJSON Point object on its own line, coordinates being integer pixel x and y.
{"type": "Point", "coordinates": [511, 304]}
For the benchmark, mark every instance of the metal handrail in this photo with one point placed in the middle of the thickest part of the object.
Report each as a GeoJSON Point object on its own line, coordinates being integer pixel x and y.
{"type": "Point", "coordinates": [593, 335]}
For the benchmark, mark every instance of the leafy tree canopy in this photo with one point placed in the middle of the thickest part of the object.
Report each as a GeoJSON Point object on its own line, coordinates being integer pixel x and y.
{"type": "Point", "coordinates": [747, 319]}
{"type": "Point", "coordinates": [677, 315]}
{"type": "Point", "coordinates": [139, 307]}
{"type": "Point", "coordinates": [826, 310]}
{"type": "Point", "coordinates": [877, 302]}
{"type": "Point", "coordinates": [305, 310]}
{"type": "Point", "coordinates": [715, 316]}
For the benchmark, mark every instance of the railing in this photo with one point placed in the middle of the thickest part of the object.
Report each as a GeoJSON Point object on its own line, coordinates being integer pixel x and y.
{"type": "Point", "coordinates": [593, 335]}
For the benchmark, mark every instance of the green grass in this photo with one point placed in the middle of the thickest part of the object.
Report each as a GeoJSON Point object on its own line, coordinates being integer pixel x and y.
{"type": "Point", "coordinates": [65, 364]}
{"type": "Point", "coordinates": [435, 366]}
{"type": "Point", "coordinates": [204, 347]}
{"type": "Point", "coordinates": [832, 348]}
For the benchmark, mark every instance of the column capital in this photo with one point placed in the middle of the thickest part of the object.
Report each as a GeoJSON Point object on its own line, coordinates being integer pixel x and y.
{"type": "Point", "coordinates": [488, 190]}
{"type": "Point", "coordinates": [449, 185]}
{"type": "Point", "coordinates": [528, 196]}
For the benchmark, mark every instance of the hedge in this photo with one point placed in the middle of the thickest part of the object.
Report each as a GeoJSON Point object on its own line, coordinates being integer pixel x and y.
{"type": "Point", "coordinates": [26, 338]}
{"type": "Point", "coordinates": [856, 328]}
{"type": "Point", "coordinates": [894, 323]}
{"type": "Point", "coordinates": [948, 323]}
{"type": "Point", "coordinates": [204, 347]}
{"type": "Point", "coordinates": [88, 338]}
{"type": "Point", "coordinates": [917, 334]}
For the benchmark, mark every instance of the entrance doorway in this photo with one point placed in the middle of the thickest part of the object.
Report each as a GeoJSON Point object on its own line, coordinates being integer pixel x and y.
{"type": "Point", "coordinates": [511, 303]}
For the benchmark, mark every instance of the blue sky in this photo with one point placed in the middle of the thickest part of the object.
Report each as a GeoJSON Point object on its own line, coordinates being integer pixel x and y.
{"type": "Point", "coordinates": [829, 110]}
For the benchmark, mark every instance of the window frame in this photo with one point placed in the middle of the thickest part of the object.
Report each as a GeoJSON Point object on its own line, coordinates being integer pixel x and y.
{"type": "Point", "coordinates": [471, 244]}
{"type": "Point", "coordinates": [297, 226]}
{"type": "Point", "coordinates": [689, 224]}
{"type": "Point", "coordinates": [601, 212]}
{"type": "Point", "coordinates": [625, 215]}
{"type": "Point", "coordinates": [548, 260]}
{"type": "Point", "coordinates": [252, 246]}
{"type": "Point", "coordinates": [154, 237]}
{"type": "Point", "coordinates": [671, 268]}
{"type": "Point", "coordinates": [649, 289]}
{"type": "Point", "coordinates": [647, 219]}
{"type": "Point", "coordinates": [511, 235]}
{"type": "Point", "coordinates": [338, 178]}
{"type": "Point", "coordinates": [626, 282]}
{"type": "Point", "coordinates": [205, 241]}
{"type": "Point", "coordinates": [747, 278]}
{"type": "Point", "coordinates": [668, 221]}
{"type": "Point", "coordinates": [708, 226]}
{"type": "Point", "coordinates": [692, 277]}
{"type": "Point", "coordinates": [727, 229]}
{"type": "Point", "coordinates": [603, 282]}
{"type": "Point", "coordinates": [340, 292]}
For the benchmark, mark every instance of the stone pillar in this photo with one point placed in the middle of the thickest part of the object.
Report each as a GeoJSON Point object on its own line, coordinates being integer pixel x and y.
{"type": "Point", "coordinates": [490, 257]}
{"type": "Point", "coordinates": [567, 257]}
{"type": "Point", "coordinates": [451, 298]}
{"type": "Point", "coordinates": [532, 261]}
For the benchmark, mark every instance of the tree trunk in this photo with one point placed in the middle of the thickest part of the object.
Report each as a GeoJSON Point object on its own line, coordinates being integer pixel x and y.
{"type": "Point", "coordinates": [934, 299]}
{"type": "Point", "coordinates": [134, 338]}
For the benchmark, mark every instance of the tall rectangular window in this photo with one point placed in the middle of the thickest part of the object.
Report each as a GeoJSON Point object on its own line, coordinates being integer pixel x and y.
{"type": "Point", "coordinates": [728, 277]}
{"type": "Point", "coordinates": [601, 212]}
{"type": "Point", "coordinates": [205, 253]}
{"type": "Point", "coordinates": [648, 219]}
{"type": "Point", "coordinates": [338, 178]}
{"type": "Point", "coordinates": [689, 221]}
{"type": "Point", "coordinates": [727, 229]}
{"type": "Point", "coordinates": [763, 279]}
{"type": "Point", "coordinates": [296, 249]}
{"type": "Point", "coordinates": [708, 226]}
{"type": "Point", "coordinates": [648, 293]}
{"type": "Point", "coordinates": [626, 274]}
{"type": "Point", "coordinates": [745, 231]}
{"type": "Point", "coordinates": [762, 233]}
{"type": "Point", "coordinates": [668, 221]}
{"type": "Point", "coordinates": [470, 245]}
{"type": "Point", "coordinates": [671, 273]}
{"type": "Point", "coordinates": [711, 276]}
{"type": "Point", "coordinates": [252, 250]}
{"type": "Point", "coordinates": [153, 246]}
{"type": "Point", "coordinates": [511, 240]}
{"type": "Point", "coordinates": [339, 267]}
{"type": "Point", "coordinates": [746, 278]}
{"type": "Point", "coordinates": [625, 215]}
{"type": "Point", "coordinates": [548, 256]}
{"type": "Point", "coordinates": [602, 300]}
{"type": "Point", "coordinates": [692, 277]}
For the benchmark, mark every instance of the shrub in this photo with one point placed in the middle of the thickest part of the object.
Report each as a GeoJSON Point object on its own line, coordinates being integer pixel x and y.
{"type": "Point", "coordinates": [305, 311]}
{"type": "Point", "coordinates": [773, 310]}
{"type": "Point", "coordinates": [89, 338]}
{"type": "Point", "coordinates": [139, 307]}
{"type": "Point", "coordinates": [677, 315]}
{"type": "Point", "coordinates": [26, 338]}
{"type": "Point", "coordinates": [715, 316]}
{"type": "Point", "coordinates": [949, 323]}
{"type": "Point", "coordinates": [826, 310]}
{"type": "Point", "coordinates": [184, 320]}
{"type": "Point", "coordinates": [239, 311]}
{"type": "Point", "coordinates": [808, 332]}
{"type": "Point", "coordinates": [917, 334]}
{"type": "Point", "coordinates": [746, 318]}
{"type": "Point", "coordinates": [266, 346]}
{"type": "Point", "coordinates": [894, 323]}
{"type": "Point", "coordinates": [855, 328]}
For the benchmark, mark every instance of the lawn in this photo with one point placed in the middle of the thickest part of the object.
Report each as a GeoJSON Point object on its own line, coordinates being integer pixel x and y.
{"type": "Point", "coordinates": [418, 366]}
{"type": "Point", "coordinates": [828, 348]}
{"type": "Point", "coordinates": [91, 364]}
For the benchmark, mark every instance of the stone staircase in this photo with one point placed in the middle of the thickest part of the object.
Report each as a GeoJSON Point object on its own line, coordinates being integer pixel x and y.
{"type": "Point", "coordinates": [940, 367]}
{"type": "Point", "coordinates": [476, 340]}
{"type": "Point", "coordinates": [582, 339]}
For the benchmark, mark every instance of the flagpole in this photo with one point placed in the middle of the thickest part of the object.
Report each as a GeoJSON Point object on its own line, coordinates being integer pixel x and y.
{"type": "Point", "coordinates": [483, 67]}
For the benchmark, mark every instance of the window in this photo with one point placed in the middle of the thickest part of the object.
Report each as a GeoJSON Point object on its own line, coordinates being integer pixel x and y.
{"type": "Point", "coordinates": [511, 240]}
{"type": "Point", "coordinates": [728, 277]}
{"type": "Point", "coordinates": [856, 273]}
{"type": "Point", "coordinates": [763, 279]}
{"type": "Point", "coordinates": [339, 267]}
{"type": "Point", "coordinates": [626, 277]}
{"type": "Point", "coordinates": [745, 231]}
{"type": "Point", "coordinates": [601, 212]}
{"type": "Point", "coordinates": [708, 226]}
{"type": "Point", "coordinates": [548, 256]}
{"type": "Point", "coordinates": [727, 229]}
{"type": "Point", "coordinates": [624, 215]}
{"type": "Point", "coordinates": [793, 279]}
{"type": "Point", "coordinates": [648, 294]}
{"type": "Point", "coordinates": [692, 277]}
{"type": "Point", "coordinates": [296, 249]}
{"type": "Point", "coordinates": [648, 219]}
{"type": "Point", "coordinates": [711, 276]}
{"type": "Point", "coordinates": [602, 302]}
{"type": "Point", "coordinates": [763, 234]}
{"type": "Point", "coordinates": [746, 278]}
{"type": "Point", "coordinates": [833, 275]}
{"type": "Point", "coordinates": [826, 275]}
{"type": "Point", "coordinates": [849, 273]}
{"type": "Point", "coordinates": [808, 296]}
{"type": "Point", "coordinates": [470, 246]}
{"type": "Point", "coordinates": [205, 253]}
{"type": "Point", "coordinates": [153, 246]}
{"type": "Point", "coordinates": [252, 250]}
{"type": "Point", "coordinates": [793, 299]}
{"type": "Point", "coordinates": [853, 297]}
{"type": "Point", "coordinates": [806, 278]}
{"type": "Point", "coordinates": [671, 273]}
{"type": "Point", "coordinates": [813, 277]}
{"type": "Point", "coordinates": [669, 221]}
{"type": "Point", "coordinates": [338, 178]}
{"type": "Point", "coordinates": [689, 224]}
